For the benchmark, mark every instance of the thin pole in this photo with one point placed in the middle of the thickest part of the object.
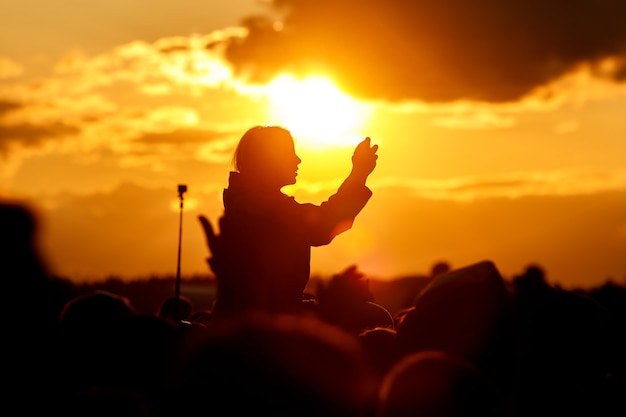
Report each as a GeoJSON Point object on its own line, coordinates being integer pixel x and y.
{"type": "Point", "coordinates": [180, 235]}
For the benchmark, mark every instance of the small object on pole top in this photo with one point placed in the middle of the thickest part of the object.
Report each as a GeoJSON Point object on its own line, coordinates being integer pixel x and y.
{"type": "Point", "coordinates": [182, 188]}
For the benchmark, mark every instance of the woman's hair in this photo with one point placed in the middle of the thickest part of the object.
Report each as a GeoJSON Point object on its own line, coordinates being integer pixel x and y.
{"type": "Point", "coordinates": [255, 146]}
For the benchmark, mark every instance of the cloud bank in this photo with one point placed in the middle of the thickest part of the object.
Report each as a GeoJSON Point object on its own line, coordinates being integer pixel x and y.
{"type": "Point", "coordinates": [482, 50]}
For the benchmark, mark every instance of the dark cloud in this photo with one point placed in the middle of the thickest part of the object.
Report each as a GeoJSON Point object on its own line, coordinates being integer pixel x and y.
{"type": "Point", "coordinates": [8, 106]}
{"type": "Point", "coordinates": [182, 136]}
{"type": "Point", "coordinates": [31, 135]}
{"type": "Point", "coordinates": [492, 50]}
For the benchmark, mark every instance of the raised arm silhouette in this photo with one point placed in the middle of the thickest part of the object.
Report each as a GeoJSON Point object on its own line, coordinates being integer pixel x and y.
{"type": "Point", "coordinates": [262, 251]}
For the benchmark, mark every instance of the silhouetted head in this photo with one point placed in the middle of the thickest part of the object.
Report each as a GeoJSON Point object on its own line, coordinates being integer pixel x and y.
{"type": "Point", "coordinates": [18, 225]}
{"type": "Point", "coordinates": [20, 253]}
{"type": "Point", "coordinates": [267, 154]}
{"type": "Point", "coordinates": [436, 384]}
{"type": "Point", "coordinates": [175, 308]}
{"type": "Point", "coordinates": [533, 278]}
{"type": "Point", "coordinates": [439, 268]}
{"type": "Point", "coordinates": [281, 365]}
{"type": "Point", "coordinates": [95, 308]}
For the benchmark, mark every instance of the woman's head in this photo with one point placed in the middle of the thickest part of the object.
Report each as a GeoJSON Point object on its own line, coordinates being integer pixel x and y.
{"type": "Point", "coordinates": [267, 152]}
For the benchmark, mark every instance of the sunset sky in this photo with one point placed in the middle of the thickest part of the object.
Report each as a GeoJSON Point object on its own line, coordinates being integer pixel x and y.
{"type": "Point", "coordinates": [501, 128]}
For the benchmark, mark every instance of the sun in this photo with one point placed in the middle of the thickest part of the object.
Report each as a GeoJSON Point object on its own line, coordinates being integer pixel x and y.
{"type": "Point", "coordinates": [317, 113]}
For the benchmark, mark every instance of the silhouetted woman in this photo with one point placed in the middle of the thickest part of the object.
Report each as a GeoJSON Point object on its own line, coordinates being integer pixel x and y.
{"type": "Point", "coordinates": [262, 255]}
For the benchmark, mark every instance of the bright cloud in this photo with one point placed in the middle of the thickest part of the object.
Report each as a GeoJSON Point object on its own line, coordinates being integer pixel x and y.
{"type": "Point", "coordinates": [510, 185]}
{"type": "Point", "coordinates": [9, 68]}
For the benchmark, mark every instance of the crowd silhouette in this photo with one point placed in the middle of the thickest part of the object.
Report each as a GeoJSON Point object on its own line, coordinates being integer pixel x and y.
{"type": "Point", "coordinates": [469, 343]}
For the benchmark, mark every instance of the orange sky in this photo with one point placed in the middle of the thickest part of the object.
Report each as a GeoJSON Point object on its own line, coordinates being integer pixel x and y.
{"type": "Point", "coordinates": [105, 109]}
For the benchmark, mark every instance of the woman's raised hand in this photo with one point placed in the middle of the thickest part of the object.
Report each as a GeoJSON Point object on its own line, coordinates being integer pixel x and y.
{"type": "Point", "coordinates": [364, 158]}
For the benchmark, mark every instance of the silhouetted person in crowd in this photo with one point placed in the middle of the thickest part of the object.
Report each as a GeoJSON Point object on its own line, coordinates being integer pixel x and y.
{"type": "Point", "coordinates": [272, 364]}
{"type": "Point", "coordinates": [437, 384]}
{"type": "Point", "coordinates": [261, 257]}
{"type": "Point", "coordinates": [28, 285]}
{"type": "Point", "coordinates": [95, 309]}
{"type": "Point", "coordinates": [439, 268]}
{"type": "Point", "coordinates": [31, 303]}
{"type": "Point", "coordinates": [105, 347]}
{"type": "Point", "coordinates": [175, 309]}
{"type": "Point", "coordinates": [458, 312]}
{"type": "Point", "coordinates": [346, 301]}
{"type": "Point", "coordinates": [87, 327]}
{"type": "Point", "coordinates": [564, 351]}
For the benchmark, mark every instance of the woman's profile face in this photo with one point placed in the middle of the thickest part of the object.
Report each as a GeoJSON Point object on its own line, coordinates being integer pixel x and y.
{"type": "Point", "coordinates": [283, 164]}
{"type": "Point", "coordinates": [268, 154]}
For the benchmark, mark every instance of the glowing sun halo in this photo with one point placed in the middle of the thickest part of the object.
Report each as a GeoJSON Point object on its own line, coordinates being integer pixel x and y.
{"type": "Point", "coordinates": [316, 112]}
